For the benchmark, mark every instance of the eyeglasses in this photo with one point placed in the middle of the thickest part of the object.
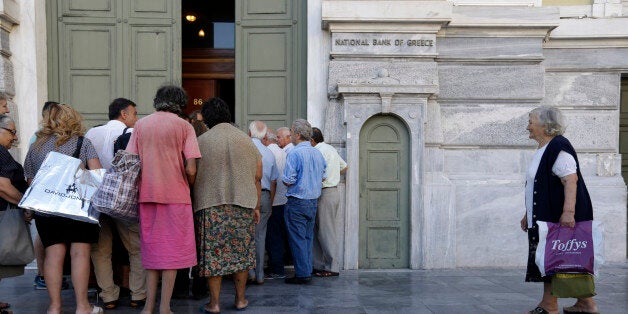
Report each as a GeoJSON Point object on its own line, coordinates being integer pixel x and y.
{"type": "Point", "coordinates": [14, 132]}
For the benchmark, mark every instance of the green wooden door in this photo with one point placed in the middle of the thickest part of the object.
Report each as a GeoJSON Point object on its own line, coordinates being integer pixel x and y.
{"type": "Point", "coordinates": [99, 50]}
{"type": "Point", "coordinates": [384, 194]}
{"type": "Point", "coordinates": [270, 61]}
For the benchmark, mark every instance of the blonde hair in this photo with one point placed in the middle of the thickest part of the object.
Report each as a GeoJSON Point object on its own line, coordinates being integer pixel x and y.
{"type": "Point", "coordinates": [61, 121]}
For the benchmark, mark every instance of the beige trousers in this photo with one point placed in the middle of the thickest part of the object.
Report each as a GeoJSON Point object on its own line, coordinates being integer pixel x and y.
{"type": "Point", "coordinates": [326, 248]}
{"type": "Point", "coordinates": [101, 257]}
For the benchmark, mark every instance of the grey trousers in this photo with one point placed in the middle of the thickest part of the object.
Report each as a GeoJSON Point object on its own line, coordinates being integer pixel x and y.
{"type": "Point", "coordinates": [266, 208]}
{"type": "Point", "coordinates": [327, 231]}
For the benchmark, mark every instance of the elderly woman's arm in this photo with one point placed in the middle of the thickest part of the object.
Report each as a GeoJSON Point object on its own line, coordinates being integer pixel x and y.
{"type": "Point", "coordinates": [570, 183]}
{"type": "Point", "coordinates": [9, 192]}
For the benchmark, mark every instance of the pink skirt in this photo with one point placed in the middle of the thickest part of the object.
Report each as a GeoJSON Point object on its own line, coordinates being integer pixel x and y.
{"type": "Point", "coordinates": [167, 236]}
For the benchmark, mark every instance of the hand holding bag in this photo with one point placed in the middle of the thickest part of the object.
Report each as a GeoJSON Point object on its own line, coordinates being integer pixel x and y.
{"type": "Point", "coordinates": [118, 194]}
{"type": "Point", "coordinates": [62, 188]}
{"type": "Point", "coordinates": [16, 246]}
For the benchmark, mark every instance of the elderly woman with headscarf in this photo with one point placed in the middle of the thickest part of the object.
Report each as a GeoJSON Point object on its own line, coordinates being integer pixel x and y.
{"type": "Point", "coordinates": [555, 192]}
{"type": "Point", "coordinates": [226, 203]}
{"type": "Point", "coordinates": [168, 151]}
{"type": "Point", "coordinates": [60, 131]}
{"type": "Point", "coordinates": [12, 187]}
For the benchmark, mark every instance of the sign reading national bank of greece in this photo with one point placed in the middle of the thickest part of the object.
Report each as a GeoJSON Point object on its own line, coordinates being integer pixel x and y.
{"type": "Point", "coordinates": [402, 44]}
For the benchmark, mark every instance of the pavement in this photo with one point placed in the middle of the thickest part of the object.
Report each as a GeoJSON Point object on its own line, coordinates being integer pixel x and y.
{"type": "Point", "coordinates": [473, 290]}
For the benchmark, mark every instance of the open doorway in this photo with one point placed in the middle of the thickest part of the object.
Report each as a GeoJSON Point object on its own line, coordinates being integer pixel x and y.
{"type": "Point", "coordinates": [208, 52]}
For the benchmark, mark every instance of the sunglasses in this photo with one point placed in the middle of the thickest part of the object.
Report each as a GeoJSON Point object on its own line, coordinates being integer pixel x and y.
{"type": "Point", "coordinates": [14, 132]}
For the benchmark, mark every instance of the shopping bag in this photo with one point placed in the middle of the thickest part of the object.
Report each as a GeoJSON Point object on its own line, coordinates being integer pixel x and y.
{"type": "Point", "coordinates": [118, 194]}
{"type": "Point", "coordinates": [62, 188]}
{"type": "Point", "coordinates": [16, 245]}
{"type": "Point", "coordinates": [569, 250]}
{"type": "Point", "coordinates": [573, 285]}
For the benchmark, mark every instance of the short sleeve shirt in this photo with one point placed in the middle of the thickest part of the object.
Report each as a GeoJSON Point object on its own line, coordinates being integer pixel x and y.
{"type": "Point", "coordinates": [164, 141]}
{"type": "Point", "coordinates": [37, 154]}
{"type": "Point", "coordinates": [12, 170]}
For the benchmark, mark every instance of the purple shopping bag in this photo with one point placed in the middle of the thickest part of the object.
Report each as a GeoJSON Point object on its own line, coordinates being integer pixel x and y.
{"type": "Point", "coordinates": [569, 250]}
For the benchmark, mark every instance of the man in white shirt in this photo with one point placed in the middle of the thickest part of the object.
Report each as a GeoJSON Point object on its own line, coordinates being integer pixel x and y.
{"type": "Point", "coordinates": [284, 140]}
{"type": "Point", "coordinates": [326, 249]}
{"type": "Point", "coordinates": [122, 117]}
{"type": "Point", "coordinates": [276, 234]}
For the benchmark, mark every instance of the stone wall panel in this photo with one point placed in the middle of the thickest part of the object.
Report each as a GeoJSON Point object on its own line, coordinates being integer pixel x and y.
{"type": "Point", "coordinates": [599, 59]}
{"type": "Point", "coordinates": [489, 48]}
{"type": "Point", "coordinates": [581, 89]}
{"type": "Point", "coordinates": [483, 82]}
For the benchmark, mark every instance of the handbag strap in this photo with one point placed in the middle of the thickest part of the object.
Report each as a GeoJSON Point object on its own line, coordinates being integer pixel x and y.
{"type": "Point", "coordinates": [124, 131]}
{"type": "Point", "coordinates": [77, 151]}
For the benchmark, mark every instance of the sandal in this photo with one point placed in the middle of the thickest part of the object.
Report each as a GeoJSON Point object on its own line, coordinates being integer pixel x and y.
{"type": "Point", "coordinates": [539, 310]}
{"type": "Point", "coordinates": [111, 305]}
{"type": "Point", "coordinates": [137, 303]}
{"type": "Point", "coordinates": [325, 273]}
{"type": "Point", "coordinates": [576, 310]}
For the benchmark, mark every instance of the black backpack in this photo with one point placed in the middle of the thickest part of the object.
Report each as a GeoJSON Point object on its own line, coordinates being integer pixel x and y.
{"type": "Point", "coordinates": [121, 141]}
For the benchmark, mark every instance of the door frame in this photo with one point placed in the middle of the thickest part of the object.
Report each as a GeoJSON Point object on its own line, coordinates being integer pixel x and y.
{"type": "Point", "coordinates": [411, 110]}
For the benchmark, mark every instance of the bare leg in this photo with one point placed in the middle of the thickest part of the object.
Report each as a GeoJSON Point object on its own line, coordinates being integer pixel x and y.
{"type": "Point", "coordinates": [40, 254]}
{"type": "Point", "coordinates": [79, 253]}
{"type": "Point", "coordinates": [214, 283]}
{"type": "Point", "coordinates": [583, 305]}
{"type": "Point", "coordinates": [549, 302]}
{"type": "Point", "coordinates": [53, 272]}
{"type": "Point", "coordinates": [240, 285]}
{"type": "Point", "coordinates": [152, 278]}
{"type": "Point", "coordinates": [168, 277]}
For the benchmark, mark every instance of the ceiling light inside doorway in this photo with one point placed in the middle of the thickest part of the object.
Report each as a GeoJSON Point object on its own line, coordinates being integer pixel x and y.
{"type": "Point", "coordinates": [190, 17]}
{"type": "Point", "coordinates": [201, 33]}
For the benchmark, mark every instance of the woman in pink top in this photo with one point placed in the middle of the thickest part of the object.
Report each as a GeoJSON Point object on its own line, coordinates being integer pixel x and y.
{"type": "Point", "coordinates": [168, 151]}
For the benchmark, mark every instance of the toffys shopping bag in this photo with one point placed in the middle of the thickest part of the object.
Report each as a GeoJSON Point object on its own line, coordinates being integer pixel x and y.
{"type": "Point", "coordinates": [569, 250]}
{"type": "Point", "coordinates": [62, 188]}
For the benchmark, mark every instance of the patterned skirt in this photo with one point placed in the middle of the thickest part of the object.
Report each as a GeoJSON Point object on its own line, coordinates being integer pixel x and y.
{"type": "Point", "coordinates": [225, 240]}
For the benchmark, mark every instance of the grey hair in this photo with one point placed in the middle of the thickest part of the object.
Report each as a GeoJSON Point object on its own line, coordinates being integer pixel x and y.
{"type": "Point", "coordinates": [5, 120]}
{"type": "Point", "coordinates": [4, 96]}
{"type": "Point", "coordinates": [258, 129]}
{"type": "Point", "coordinates": [551, 118]}
{"type": "Point", "coordinates": [283, 129]}
{"type": "Point", "coordinates": [303, 128]}
{"type": "Point", "coordinates": [271, 136]}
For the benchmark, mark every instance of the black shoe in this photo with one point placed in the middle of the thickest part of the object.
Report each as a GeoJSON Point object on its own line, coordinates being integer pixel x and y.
{"type": "Point", "coordinates": [299, 280]}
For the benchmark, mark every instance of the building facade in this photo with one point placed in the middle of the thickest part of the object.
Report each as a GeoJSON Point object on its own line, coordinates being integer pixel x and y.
{"type": "Point", "coordinates": [427, 100]}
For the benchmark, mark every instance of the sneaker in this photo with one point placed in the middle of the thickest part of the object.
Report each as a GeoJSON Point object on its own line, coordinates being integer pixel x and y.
{"type": "Point", "coordinates": [39, 283]}
{"type": "Point", "coordinates": [274, 276]}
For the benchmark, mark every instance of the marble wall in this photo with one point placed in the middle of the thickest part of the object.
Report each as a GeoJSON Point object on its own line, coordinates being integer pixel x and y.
{"type": "Point", "coordinates": [493, 65]}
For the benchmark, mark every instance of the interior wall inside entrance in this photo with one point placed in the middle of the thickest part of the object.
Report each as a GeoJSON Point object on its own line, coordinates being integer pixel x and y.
{"type": "Point", "coordinates": [208, 63]}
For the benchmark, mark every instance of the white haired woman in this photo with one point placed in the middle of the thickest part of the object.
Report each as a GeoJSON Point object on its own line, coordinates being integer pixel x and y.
{"type": "Point", "coordinates": [555, 192]}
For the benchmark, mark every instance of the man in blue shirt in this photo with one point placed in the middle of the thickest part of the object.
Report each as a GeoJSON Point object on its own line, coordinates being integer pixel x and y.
{"type": "Point", "coordinates": [257, 131]}
{"type": "Point", "coordinates": [304, 174]}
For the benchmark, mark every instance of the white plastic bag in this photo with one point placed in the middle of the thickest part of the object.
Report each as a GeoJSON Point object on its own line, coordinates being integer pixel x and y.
{"type": "Point", "coordinates": [62, 188]}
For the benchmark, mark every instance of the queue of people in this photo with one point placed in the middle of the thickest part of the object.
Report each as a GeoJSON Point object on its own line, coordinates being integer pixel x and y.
{"type": "Point", "coordinates": [218, 199]}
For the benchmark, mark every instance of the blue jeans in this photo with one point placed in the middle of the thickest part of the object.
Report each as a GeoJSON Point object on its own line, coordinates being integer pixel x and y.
{"type": "Point", "coordinates": [275, 240]}
{"type": "Point", "coordinates": [300, 217]}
